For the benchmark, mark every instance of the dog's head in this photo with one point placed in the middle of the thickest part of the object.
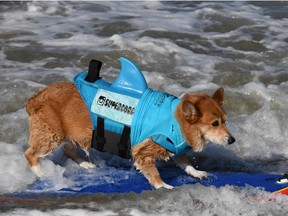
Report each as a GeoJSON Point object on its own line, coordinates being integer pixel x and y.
{"type": "Point", "coordinates": [202, 119]}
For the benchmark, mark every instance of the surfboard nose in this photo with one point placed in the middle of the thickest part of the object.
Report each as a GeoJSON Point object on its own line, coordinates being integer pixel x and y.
{"type": "Point", "coordinates": [130, 79]}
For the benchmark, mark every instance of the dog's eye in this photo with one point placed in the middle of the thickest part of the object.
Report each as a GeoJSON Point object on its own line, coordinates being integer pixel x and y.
{"type": "Point", "coordinates": [215, 123]}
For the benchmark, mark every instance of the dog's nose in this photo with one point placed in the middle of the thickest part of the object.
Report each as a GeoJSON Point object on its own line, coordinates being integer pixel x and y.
{"type": "Point", "coordinates": [231, 139]}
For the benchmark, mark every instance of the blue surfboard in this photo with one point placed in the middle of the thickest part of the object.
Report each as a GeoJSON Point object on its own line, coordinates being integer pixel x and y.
{"type": "Point", "coordinates": [125, 180]}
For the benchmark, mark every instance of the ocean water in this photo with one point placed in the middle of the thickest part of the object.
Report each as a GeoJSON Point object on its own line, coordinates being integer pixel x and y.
{"type": "Point", "coordinates": [180, 47]}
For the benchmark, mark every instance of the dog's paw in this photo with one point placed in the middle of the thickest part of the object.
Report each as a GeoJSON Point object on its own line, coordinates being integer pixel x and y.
{"type": "Point", "coordinates": [196, 173]}
{"type": "Point", "coordinates": [36, 170]}
{"type": "Point", "coordinates": [87, 165]}
{"type": "Point", "coordinates": [163, 185]}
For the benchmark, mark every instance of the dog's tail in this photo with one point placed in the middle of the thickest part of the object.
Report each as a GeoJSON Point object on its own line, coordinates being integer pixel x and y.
{"type": "Point", "coordinates": [31, 105]}
{"type": "Point", "coordinates": [37, 101]}
{"type": "Point", "coordinates": [50, 96]}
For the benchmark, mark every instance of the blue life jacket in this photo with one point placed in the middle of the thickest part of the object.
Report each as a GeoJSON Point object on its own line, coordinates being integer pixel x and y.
{"type": "Point", "coordinates": [128, 102]}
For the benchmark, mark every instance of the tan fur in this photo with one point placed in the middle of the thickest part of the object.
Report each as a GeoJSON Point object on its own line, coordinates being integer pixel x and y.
{"type": "Point", "coordinates": [57, 113]}
{"type": "Point", "coordinates": [145, 156]}
{"type": "Point", "coordinates": [206, 111]}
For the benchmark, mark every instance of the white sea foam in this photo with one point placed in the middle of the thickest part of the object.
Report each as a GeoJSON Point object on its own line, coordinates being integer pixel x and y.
{"type": "Point", "coordinates": [64, 211]}
{"type": "Point", "coordinates": [14, 177]}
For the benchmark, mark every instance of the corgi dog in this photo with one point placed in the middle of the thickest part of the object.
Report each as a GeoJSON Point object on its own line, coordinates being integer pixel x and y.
{"type": "Point", "coordinates": [57, 113]}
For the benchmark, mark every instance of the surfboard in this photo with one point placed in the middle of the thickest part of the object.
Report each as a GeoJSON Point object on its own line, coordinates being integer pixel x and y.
{"type": "Point", "coordinates": [125, 180]}
{"type": "Point", "coordinates": [283, 180]}
{"type": "Point", "coordinates": [282, 191]}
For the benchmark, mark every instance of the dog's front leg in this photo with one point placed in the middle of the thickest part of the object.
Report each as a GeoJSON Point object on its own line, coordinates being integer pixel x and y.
{"type": "Point", "coordinates": [184, 163]}
{"type": "Point", "coordinates": [150, 171]}
{"type": "Point", "coordinates": [145, 155]}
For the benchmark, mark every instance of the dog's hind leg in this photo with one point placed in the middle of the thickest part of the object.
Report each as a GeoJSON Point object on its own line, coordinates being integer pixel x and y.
{"type": "Point", "coordinates": [184, 163]}
{"type": "Point", "coordinates": [42, 141]}
{"type": "Point", "coordinates": [70, 150]}
{"type": "Point", "coordinates": [33, 161]}
{"type": "Point", "coordinates": [34, 153]}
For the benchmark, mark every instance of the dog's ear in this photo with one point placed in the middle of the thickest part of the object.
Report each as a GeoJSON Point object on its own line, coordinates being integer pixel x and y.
{"type": "Point", "coordinates": [190, 112]}
{"type": "Point", "coordinates": [218, 96]}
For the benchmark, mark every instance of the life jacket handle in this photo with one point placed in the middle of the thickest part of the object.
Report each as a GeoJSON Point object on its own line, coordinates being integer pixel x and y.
{"type": "Point", "coordinates": [94, 71]}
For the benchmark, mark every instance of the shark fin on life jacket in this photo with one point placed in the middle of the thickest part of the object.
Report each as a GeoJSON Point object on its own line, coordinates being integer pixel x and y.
{"type": "Point", "coordinates": [130, 79]}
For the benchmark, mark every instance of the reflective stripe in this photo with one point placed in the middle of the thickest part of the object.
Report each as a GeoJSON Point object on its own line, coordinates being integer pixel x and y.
{"type": "Point", "coordinates": [117, 107]}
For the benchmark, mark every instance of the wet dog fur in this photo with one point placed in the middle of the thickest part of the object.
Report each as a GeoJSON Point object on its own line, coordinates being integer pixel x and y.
{"type": "Point", "coordinates": [57, 114]}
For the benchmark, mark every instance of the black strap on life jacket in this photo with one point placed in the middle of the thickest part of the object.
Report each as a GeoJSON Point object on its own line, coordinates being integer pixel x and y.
{"type": "Point", "coordinates": [98, 136]}
{"type": "Point", "coordinates": [99, 140]}
{"type": "Point", "coordinates": [123, 147]}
